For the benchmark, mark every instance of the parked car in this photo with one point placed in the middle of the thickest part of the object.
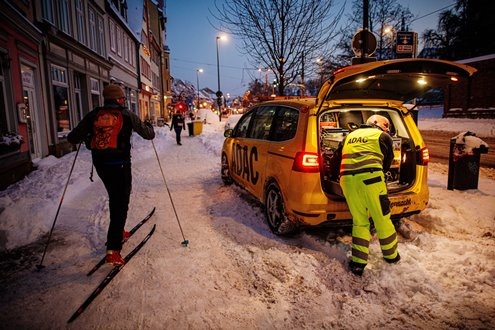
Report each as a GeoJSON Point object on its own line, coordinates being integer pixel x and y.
{"type": "Point", "coordinates": [283, 151]}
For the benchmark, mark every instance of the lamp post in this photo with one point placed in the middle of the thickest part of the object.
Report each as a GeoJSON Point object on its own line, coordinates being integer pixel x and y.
{"type": "Point", "coordinates": [266, 78]}
{"type": "Point", "coordinates": [320, 65]}
{"type": "Point", "coordinates": [219, 92]}
{"type": "Point", "coordinates": [198, 71]}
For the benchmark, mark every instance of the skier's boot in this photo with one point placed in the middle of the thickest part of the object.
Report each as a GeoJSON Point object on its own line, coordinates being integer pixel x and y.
{"type": "Point", "coordinates": [126, 235]}
{"type": "Point", "coordinates": [114, 258]}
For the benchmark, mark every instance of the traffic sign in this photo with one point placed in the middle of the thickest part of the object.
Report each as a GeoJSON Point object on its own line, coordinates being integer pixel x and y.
{"type": "Point", "coordinates": [406, 42]}
{"type": "Point", "coordinates": [360, 38]}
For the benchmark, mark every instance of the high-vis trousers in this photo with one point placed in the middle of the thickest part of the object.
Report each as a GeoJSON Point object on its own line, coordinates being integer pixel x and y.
{"type": "Point", "coordinates": [366, 195]}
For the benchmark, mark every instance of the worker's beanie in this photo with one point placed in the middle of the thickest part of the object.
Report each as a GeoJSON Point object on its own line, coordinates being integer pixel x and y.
{"type": "Point", "coordinates": [112, 92]}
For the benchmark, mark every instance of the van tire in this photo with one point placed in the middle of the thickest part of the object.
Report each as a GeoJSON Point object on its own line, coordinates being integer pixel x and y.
{"type": "Point", "coordinates": [275, 212]}
{"type": "Point", "coordinates": [225, 171]}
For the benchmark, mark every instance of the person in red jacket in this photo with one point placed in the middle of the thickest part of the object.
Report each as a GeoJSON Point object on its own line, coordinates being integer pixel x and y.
{"type": "Point", "coordinates": [107, 132]}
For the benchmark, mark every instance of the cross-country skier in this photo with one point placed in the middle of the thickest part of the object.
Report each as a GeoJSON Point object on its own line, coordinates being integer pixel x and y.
{"type": "Point", "coordinates": [107, 132]}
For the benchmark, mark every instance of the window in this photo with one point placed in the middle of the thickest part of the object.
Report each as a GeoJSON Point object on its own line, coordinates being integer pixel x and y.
{"type": "Point", "coordinates": [132, 54]}
{"type": "Point", "coordinates": [92, 30]}
{"type": "Point", "coordinates": [95, 86]}
{"type": "Point", "coordinates": [81, 22]}
{"type": "Point", "coordinates": [242, 127]}
{"type": "Point", "coordinates": [145, 68]}
{"type": "Point", "coordinates": [126, 48]}
{"type": "Point", "coordinates": [101, 36]}
{"type": "Point", "coordinates": [285, 124]}
{"type": "Point", "coordinates": [262, 123]}
{"type": "Point", "coordinates": [113, 37]}
{"type": "Point", "coordinates": [48, 11]}
{"type": "Point", "coordinates": [64, 16]}
{"type": "Point", "coordinates": [61, 100]}
{"type": "Point", "coordinates": [119, 41]}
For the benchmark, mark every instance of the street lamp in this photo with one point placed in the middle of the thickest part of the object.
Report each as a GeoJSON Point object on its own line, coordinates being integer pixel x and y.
{"type": "Point", "coordinates": [219, 92]}
{"type": "Point", "coordinates": [198, 71]}
{"type": "Point", "coordinates": [385, 30]}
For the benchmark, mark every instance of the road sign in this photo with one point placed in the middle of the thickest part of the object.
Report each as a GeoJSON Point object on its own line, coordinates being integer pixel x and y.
{"type": "Point", "coordinates": [360, 38]}
{"type": "Point", "coordinates": [406, 42]}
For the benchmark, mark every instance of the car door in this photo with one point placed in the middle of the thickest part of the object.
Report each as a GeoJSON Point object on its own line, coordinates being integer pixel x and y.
{"type": "Point", "coordinates": [249, 149]}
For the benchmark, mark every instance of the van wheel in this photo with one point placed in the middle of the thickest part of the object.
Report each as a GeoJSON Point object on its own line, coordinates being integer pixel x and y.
{"type": "Point", "coordinates": [225, 172]}
{"type": "Point", "coordinates": [275, 212]}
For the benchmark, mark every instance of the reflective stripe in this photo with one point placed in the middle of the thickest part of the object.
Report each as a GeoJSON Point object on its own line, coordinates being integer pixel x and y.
{"type": "Point", "coordinates": [360, 254]}
{"type": "Point", "coordinates": [360, 164]}
{"type": "Point", "coordinates": [388, 240]}
{"type": "Point", "coordinates": [362, 150]}
{"type": "Point", "coordinates": [360, 242]}
{"type": "Point", "coordinates": [362, 154]}
{"type": "Point", "coordinates": [391, 251]}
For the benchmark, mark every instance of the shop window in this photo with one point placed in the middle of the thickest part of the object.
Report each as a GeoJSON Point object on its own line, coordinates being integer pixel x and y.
{"type": "Point", "coordinates": [61, 100]}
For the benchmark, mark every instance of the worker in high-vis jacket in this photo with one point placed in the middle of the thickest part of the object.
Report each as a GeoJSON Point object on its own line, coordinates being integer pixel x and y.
{"type": "Point", "coordinates": [367, 154]}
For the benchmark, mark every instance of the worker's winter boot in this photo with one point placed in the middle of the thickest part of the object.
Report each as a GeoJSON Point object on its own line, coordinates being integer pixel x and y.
{"type": "Point", "coordinates": [356, 268]}
{"type": "Point", "coordinates": [394, 260]}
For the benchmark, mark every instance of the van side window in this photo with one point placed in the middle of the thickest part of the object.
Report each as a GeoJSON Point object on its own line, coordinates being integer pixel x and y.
{"type": "Point", "coordinates": [242, 126]}
{"type": "Point", "coordinates": [285, 124]}
{"type": "Point", "coordinates": [262, 122]}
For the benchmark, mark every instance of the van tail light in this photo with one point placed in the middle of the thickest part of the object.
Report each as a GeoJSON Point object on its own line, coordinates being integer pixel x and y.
{"type": "Point", "coordinates": [423, 156]}
{"type": "Point", "coordinates": [306, 162]}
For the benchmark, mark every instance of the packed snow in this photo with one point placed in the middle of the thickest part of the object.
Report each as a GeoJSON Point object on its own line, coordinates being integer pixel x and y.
{"type": "Point", "coordinates": [234, 273]}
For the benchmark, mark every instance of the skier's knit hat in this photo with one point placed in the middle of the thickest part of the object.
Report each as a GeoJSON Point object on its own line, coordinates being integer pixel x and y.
{"type": "Point", "coordinates": [113, 92]}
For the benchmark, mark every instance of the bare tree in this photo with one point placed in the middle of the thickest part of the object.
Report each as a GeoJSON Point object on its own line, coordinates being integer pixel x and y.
{"type": "Point", "coordinates": [385, 18]}
{"type": "Point", "coordinates": [464, 31]}
{"type": "Point", "coordinates": [280, 35]}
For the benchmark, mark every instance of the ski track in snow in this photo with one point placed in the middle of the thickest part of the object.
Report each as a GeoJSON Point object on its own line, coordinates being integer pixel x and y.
{"type": "Point", "coordinates": [235, 274]}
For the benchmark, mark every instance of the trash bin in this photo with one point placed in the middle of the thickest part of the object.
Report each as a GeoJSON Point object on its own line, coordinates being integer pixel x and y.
{"type": "Point", "coordinates": [190, 128]}
{"type": "Point", "coordinates": [464, 161]}
{"type": "Point", "coordinates": [197, 127]}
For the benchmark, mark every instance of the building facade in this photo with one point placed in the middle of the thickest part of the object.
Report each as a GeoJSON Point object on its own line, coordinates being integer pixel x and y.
{"type": "Point", "coordinates": [23, 120]}
{"type": "Point", "coordinates": [56, 56]}
{"type": "Point", "coordinates": [474, 98]}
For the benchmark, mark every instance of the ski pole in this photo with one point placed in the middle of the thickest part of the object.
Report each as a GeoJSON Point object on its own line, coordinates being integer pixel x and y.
{"type": "Point", "coordinates": [40, 266]}
{"type": "Point", "coordinates": [185, 241]}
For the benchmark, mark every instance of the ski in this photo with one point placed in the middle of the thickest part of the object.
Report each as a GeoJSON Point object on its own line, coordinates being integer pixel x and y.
{"type": "Point", "coordinates": [131, 232]}
{"type": "Point", "coordinates": [115, 270]}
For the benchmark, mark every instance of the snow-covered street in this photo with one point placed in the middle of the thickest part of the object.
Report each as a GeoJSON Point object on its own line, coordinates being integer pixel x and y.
{"type": "Point", "coordinates": [234, 274]}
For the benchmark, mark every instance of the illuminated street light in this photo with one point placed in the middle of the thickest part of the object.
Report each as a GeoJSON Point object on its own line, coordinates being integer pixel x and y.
{"type": "Point", "coordinates": [198, 71]}
{"type": "Point", "coordinates": [385, 30]}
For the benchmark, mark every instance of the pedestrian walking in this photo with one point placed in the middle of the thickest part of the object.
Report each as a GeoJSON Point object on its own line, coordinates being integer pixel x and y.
{"type": "Point", "coordinates": [178, 124]}
{"type": "Point", "coordinates": [367, 154]}
{"type": "Point", "coordinates": [107, 132]}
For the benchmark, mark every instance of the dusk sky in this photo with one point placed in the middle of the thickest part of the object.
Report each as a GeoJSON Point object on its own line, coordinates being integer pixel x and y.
{"type": "Point", "coordinates": [192, 42]}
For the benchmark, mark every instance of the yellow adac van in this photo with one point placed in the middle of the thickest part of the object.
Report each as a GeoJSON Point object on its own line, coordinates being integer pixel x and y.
{"type": "Point", "coordinates": [283, 151]}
